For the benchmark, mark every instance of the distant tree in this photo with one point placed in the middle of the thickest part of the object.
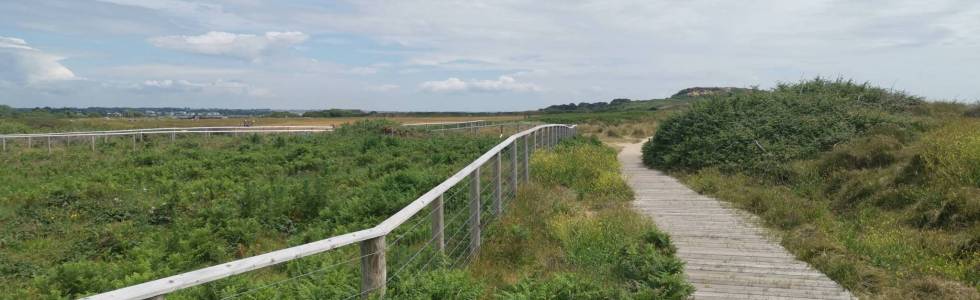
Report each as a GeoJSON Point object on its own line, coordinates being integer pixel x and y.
{"type": "Point", "coordinates": [334, 113]}
{"type": "Point", "coordinates": [282, 114]}
{"type": "Point", "coordinates": [620, 101]}
{"type": "Point", "coordinates": [7, 111]}
{"type": "Point", "coordinates": [133, 114]}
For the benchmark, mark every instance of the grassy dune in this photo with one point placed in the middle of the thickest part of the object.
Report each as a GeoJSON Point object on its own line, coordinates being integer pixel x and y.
{"type": "Point", "coordinates": [880, 190]}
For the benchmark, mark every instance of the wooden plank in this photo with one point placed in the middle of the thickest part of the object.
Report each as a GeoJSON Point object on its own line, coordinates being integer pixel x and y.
{"type": "Point", "coordinates": [374, 271]}
{"type": "Point", "coordinates": [498, 206]}
{"type": "Point", "coordinates": [727, 254]}
{"type": "Point", "coordinates": [438, 224]}
{"type": "Point", "coordinates": [475, 204]}
{"type": "Point", "coordinates": [193, 278]}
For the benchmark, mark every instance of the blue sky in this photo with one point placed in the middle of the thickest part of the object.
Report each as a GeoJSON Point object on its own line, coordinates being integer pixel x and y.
{"type": "Point", "coordinates": [468, 55]}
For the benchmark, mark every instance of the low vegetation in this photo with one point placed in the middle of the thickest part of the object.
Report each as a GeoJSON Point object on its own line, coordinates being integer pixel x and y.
{"type": "Point", "coordinates": [78, 222]}
{"type": "Point", "coordinates": [878, 189]}
{"type": "Point", "coordinates": [625, 126]}
{"type": "Point", "coordinates": [572, 235]}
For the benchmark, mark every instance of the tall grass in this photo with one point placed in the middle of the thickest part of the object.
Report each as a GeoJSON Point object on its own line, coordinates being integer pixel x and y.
{"type": "Point", "coordinates": [571, 235]}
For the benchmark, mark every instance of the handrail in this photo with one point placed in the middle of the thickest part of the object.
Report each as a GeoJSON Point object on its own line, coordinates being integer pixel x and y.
{"type": "Point", "coordinates": [549, 134]}
{"type": "Point", "coordinates": [166, 130]}
{"type": "Point", "coordinates": [442, 123]}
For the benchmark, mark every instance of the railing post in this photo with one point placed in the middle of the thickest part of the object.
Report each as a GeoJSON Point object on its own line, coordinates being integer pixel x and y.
{"type": "Point", "coordinates": [374, 272]}
{"type": "Point", "coordinates": [534, 140]}
{"type": "Point", "coordinates": [513, 166]}
{"type": "Point", "coordinates": [49, 145]}
{"type": "Point", "coordinates": [498, 205]}
{"type": "Point", "coordinates": [93, 143]}
{"type": "Point", "coordinates": [438, 226]}
{"type": "Point", "coordinates": [547, 137]}
{"type": "Point", "coordinates": [554, 136]}
{"type": "Point", "coordinates": [475, 210]}
{"type": "Point", "coordinates": [4, 144]}
{"type": "Point", "coordinates": [30, 142]}
{"type": "Point", "coordinates": [527, 166]}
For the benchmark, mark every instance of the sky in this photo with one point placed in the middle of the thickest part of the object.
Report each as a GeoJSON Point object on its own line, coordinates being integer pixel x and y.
{"type": "Point", "coordinates": [502, 55]}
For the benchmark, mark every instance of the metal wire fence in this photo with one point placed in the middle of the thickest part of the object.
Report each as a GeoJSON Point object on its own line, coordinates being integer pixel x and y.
{"type": "Point", "coordinates": [442, 229]}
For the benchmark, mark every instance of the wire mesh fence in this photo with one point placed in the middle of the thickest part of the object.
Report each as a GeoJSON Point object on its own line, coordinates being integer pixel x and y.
{"type": "Point", "coordinates": [440, 230]}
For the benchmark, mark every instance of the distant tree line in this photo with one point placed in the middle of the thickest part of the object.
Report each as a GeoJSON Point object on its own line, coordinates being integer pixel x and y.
{"type": "Point", "coordinates": [335, 113]}
{"type": "Point", "coordinates": [132, 112]}
{"type": "Point", "coordinates": [709, 91]}
{"type": "Point", "coordinates": [615, 104]}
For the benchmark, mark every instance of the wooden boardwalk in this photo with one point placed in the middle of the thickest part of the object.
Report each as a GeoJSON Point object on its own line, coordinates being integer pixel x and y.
{"type": "Point", "coordinates": [727, 255]}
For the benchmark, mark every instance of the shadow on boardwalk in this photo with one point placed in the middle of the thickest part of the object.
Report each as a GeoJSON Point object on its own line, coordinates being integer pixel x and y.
{"type": "Point", "coordinates": [727, 255]}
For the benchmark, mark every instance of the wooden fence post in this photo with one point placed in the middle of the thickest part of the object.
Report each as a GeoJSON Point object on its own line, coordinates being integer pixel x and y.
{"type": "Point", "coordinates": [513, 166]}
{"type": "Point", "coordinates": [534, 139]}
{"type": "Point", "coordinates": [4, 144]}
{"type": "Point", "coordinates": [547, 137]}
{"type": "Point", "coordinates": [374, 271]}
{"type": "Point", "coordinates": [49, 145]}
{"type": "Point", "coordinates": [554, 136]}
{"type": "Point", "coordinates": [93, 143]}
{"type": "Point", "coordinates": [498, 205]}
{"type": "Point", "coordinates": [475, 210]}
{"type": "Point", "coordinates": [30, 142]}
{"type": "Point", "coordinates": [438, 226]}
{"type": "Point", "coordinates": [527, 166]}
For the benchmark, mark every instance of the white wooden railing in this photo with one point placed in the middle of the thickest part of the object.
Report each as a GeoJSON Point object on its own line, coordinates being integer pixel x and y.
{"type": "Point", "coordinates": [93, 137]}
{"type": "Point", "coordinates": [515, 151]}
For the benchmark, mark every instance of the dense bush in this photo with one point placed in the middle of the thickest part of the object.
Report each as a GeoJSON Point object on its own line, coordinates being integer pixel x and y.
{"type": "Point", "coordinates": [755, 131]}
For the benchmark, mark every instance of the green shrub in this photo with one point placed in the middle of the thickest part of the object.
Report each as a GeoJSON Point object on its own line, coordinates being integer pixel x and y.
{"type": "Point", "coordinates": [560, 287]}
{"type": "Point", "coordinates": [651, 268]}
{"type": "Point", "coordinates": [90, 221]}
{"type": "Point", "coordinates": [583, 164]}
{"type": "Point", "coordinates": [755, 130]}
{"type": "Point", "coordinates": [439, 284]}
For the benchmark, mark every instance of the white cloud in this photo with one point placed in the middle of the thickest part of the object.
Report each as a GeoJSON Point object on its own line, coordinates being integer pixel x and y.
{"type": "Point", "coordinates": [383, 88]}
{"type": "Point", "coordinates": [247, 46]}
{"type": "Point", "coordinates": [209, 15]}
{"type": "Point", "coordinates": [150, 71]}
{"type": "Point", "coordinates": [502, 84]}
{"type": "Point", "coordinates": [363, 71]}
{"type": "Point", "coordinates": [218, 86]}
{"type": "Point", "coordinates": [21, 63]}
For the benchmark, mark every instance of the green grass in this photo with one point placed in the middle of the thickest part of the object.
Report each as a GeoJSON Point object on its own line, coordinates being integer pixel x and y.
{"type": "Point", "coordinates": [877, 189]}
{"type": "Point", "coordinates": [572, 235]}
{"type": "Point", "coordinates": [78, 222]}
